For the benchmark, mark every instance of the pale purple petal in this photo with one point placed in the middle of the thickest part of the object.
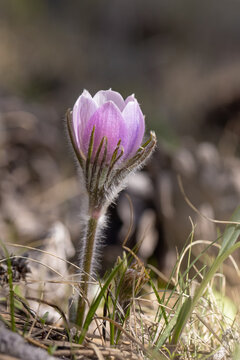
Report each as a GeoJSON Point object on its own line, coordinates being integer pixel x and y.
{"type": "Point", "coordinates": [113, 118]}
{"type": "Point", "coordinates": [83, 109]}
{"type": "Point", "coordinates": [87, 94]}
{"type": "Point", "coordinates": [108, 121]}
{"type": "Point", "coordinates": [130, 98]}
{"type": "Point", "coordinates": [109, 95]}
{"type": "Point", "coordinates": [135, 124]}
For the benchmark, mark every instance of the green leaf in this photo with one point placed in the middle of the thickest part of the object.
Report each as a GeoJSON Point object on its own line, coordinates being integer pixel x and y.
{"type": "Point", "coordinates": [43, 319]}
{"type": "Point", "coordinates": [52, 349]}
{"type": "Point", "coordinates": [168, 330]}
{"type": "Point", "coordinates": [181, 320]}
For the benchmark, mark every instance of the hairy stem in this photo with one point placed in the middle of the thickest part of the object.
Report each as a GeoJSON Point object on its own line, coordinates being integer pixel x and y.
{"type": "Point", "coordinates": [87, 266]}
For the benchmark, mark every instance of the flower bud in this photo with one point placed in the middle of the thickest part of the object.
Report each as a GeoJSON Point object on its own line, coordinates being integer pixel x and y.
{"type": "Point", "coordinates": [113, 118]}
{"type": "Point", "coordinates": [106, 132]}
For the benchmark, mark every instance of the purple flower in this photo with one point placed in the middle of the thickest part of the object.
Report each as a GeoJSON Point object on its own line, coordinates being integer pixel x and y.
{"type": "Point", "coordinates": [113, 118]}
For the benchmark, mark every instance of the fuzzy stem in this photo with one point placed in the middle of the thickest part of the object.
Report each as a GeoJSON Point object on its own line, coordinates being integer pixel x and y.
{"type": "Point", "coordinates": [87, 266]}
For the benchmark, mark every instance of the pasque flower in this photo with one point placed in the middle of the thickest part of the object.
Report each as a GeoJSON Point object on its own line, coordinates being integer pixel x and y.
{"type": "Point", "coordinates": [106, 133]}
{"type": "Point", "coordinates": [112, 117]}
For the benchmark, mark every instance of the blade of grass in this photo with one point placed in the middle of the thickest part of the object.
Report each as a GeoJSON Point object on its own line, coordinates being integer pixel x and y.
{"type": "Point", "coordinates": [231, 233]}
{"type": "Point", "coordinates": [10, 283]}
{"type": "Point", "coordinates": [230, 236]}
{"type": "Point", "coordinates": [151, 353]}
{"type": "Point", "coordinates": [159, 301]}
{"type": "Point", "coordinates": [236, 352]}
{"type": "Point", "coordinates": [168, 330]}
{"type": "Point", "coordinates": [96, 303]}
{"type": "Point", "coordinates": [127, 314]}
{"type": "Point", "coordinates": [180, 320]}
{"type": "Point", "coordinates": [189, 257]}
{"type": "Point", "coordinates": [11, 293]}
{"type": "Point", "coordinates": [166, 333]}
{"type": "Point", "coordinates": [174, 289]}
{"type": "Point", "coordinates": [201, 289]}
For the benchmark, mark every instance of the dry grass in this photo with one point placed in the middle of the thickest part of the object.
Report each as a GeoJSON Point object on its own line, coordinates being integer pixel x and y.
{"type": "Point", "coordinates": [212, 332]}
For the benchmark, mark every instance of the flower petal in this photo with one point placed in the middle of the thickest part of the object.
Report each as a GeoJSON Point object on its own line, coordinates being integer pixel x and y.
{"type": "Point", "coordinates": [83, 109]}
{"type": "Point", "coordinates": [103, 96]}
{"type": "Point", "coordinates": [108, 121]}
{"type": "Point", "coordinates": [130, 98]}
{"type": "Point", "coordinates": [135, 124]}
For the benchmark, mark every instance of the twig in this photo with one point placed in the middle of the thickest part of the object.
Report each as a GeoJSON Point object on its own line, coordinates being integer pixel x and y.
{"type": "Point", "coordinates": [13, 344]}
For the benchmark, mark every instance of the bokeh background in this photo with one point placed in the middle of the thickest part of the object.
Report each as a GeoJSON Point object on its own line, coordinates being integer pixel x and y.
{"type": "Point", "coordinates": [182, 61]}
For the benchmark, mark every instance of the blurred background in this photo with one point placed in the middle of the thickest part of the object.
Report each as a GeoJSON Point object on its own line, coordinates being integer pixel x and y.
{"type": "Point", "coordinates": [182, 61]}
